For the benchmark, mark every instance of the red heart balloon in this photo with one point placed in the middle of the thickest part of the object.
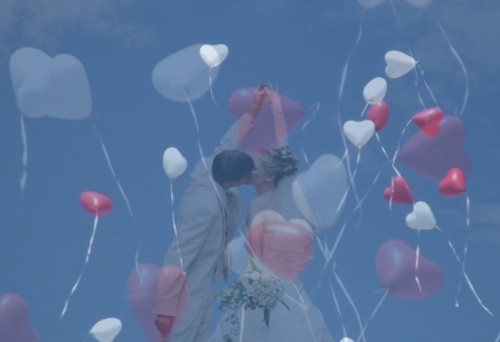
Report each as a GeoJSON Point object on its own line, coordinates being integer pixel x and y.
{"type": "Point", "coordinates": [379, 114]}
{"type": "Point", "coordinates": [399, 192]}
{"type": "Point", "coordinates": [95, 203]}
{"type": "Point", "coordinates": [428, 120]}
{"type": "Point", "coordinates": [453, 184]}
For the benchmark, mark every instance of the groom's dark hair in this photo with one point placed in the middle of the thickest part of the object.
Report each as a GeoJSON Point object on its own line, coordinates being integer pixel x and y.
{"type": "Point", "coordinates": [231, 166]}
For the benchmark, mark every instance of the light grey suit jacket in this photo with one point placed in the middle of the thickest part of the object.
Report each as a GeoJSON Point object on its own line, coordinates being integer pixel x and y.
{"type": "Point", "coordinates": [206, 222]}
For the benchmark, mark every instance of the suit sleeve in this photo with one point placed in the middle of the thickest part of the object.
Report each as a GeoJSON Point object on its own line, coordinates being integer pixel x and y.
{"type": "Point", "coordinates": [197, 213]}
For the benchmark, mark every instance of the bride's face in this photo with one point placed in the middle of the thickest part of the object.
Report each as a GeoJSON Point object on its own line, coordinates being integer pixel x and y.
{"type": "Point", "coordinates": [259, 175]}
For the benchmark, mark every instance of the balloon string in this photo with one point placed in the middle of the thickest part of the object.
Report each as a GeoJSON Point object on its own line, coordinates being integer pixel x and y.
{"type": "Point", "coordinates": [175, 226]}
{"type": "Point", "coordinates": [349, 299]}
{"type": "Point", "coordinates": [466, 246]}
{"type": "Point", "coordinates": [24, 159]}
{"type": "Point", "coordinates": [200, 148]}
{"type": "Point", "coordinates": [211, 86]}
{"type": "Point", "coordinates": [396, 151]}
{"type": "Point", "coordinates": [464, 273]}
{"type": "Point", "coordinates": [339, 119]}
{"type": "Point", "coordinates": [400, 25]}
{"type": "Point", "coordinates": [464, 70]}
{"type": "Point", "coordinates": [386, 154]}
{"type": "Point", "coordinates": [108, 160]}
{"type": "Point", "coordinates": [338, 309]}
{"type": "Point", "coordinates": [377, 307]}
{"type": "Point", "coordinates": [89, 250]}
{"type": "Point", "coordinates": [315, 109]}
{"type": "Point", "coordinates": [125, 198]}
{"type": "Point", "coordinates": [302, 304]}
{"type": "Point", "coordinates": [364, 110]}
{"type": "Point", "coordinates": [417, 258]}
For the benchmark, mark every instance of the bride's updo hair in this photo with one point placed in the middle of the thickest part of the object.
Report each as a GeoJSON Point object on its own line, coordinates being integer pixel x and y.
{"type": "Point", "coordinates": [279, 162]}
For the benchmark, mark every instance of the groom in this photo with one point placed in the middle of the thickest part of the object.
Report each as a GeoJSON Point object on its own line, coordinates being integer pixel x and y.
{"type": "Point", "coordinates": [208, 214]}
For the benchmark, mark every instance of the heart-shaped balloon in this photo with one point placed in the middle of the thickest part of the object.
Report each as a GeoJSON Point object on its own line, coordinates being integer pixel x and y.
{"type": "Point", "coordinates": [359, 132]}
{"type": "Point", "coordinates": [57, 87]}
{"type": "Point", "coordinates": [284, 247]}
{"type": "Point", "coordinates": [453, 184]}
{"type": "Point", "coordinates": [95, 203]}
{"type": "Point", "coordinates": [398, 64]}
{"type": "Point", "coordinates": [398, 192]}
{"type": "Point", "coordinates": [213, 55]}
{"type": "Point", "coordinates": [142, 290]}
{"type": "Point", "coordinates": [379, 114]}
{"type": "Point", "coordinates": [421, 218]}
{"type": "Point", "coordinates": [183, 76]}
{"type": "Point", "coordinates": [375, 90]}
{"type": "Point", "coordinates": [14, 320]}
{"type": "Point", "coordinates": [263, 134]}
{"type": "Point", "coordinates": [149, 288]}
{"type": "Point", "coordinates": [395, 264]}
{"type": "Point", "coordinates": [434, 157]}
{"type": "Point", "coordinates": [429, 120]}
{"type": "Point", "coordinates": [174, 163]}
{"type": "Point", "coordinates": [106, 329]}
{"type": "Point", "coordinates": [319, 192]}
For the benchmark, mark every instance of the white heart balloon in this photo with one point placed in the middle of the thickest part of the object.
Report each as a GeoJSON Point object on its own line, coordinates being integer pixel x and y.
{"type": "Point", "coordinates": [57, 87]}
{"type": "Point", "coordinates": [421, 218]}
{"type": "Point", "coordinates": [174, 164]}
{"type": "Point", "coordinates": [398, 63]}
{"type": "Point", "coordinates": [319, 191]}
{"type": "Point", "coordinates": [183, 75]}
{"type": "Point", "coordinates": [359, 132]}
{"type": "Point", "coordinates": [213, 55]}
{"type": "Point", "coordinates": [106, 330]}
{"type": "Point", "coordinates": [375, 90]}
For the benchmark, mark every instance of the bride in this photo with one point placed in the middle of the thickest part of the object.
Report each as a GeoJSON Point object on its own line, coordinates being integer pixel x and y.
{"type": "Point", "coordinates": [291, 318]}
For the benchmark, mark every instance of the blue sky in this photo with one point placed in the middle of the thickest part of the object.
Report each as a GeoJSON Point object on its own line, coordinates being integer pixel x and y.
{"type": "Point", "coordinates": [302, 49]}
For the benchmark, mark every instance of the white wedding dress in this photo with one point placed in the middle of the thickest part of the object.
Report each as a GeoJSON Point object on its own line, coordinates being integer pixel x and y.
{"type": "Point", "coordinates": [302, 322]}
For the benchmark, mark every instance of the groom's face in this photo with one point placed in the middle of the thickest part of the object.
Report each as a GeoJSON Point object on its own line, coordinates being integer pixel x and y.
{"type": "Point", "coordinates": [258, 175]}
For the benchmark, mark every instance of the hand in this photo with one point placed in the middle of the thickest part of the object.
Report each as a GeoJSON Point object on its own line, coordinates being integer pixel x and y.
{"type": "Point", "coordinates": [258, 98]}
{"type": "Point", "coordinates": [164, 325]}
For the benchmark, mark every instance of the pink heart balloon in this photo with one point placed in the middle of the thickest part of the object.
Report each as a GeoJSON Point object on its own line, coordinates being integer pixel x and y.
{"type": "Point", "coordinates": [453, 184]}
{"type": "Point", "coordinates": [263, 134]}
{"type": "Point", "coordinates": [285, 247]}
{"type": "Point", "coordinates": [142, 288]}
{"type": "Point", "coordinates": [144, 285]}
{"type": "Point", "coordinates": [95, 203]}
{"type": "Point", "coordinates": [435, 156]}
{"type": "Point", "coordinates": [399, 192]}
{"type": "Point", "coordinates": [14, 322]}
{"type": "Point", "coordinates": [428, 120]}
{"type": "Point", "coordinates": [395, 264]}
{"type": "Point", "coordinates": [379, 114]}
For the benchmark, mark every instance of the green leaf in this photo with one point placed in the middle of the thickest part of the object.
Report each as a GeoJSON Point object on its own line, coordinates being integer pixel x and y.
{"type": "Point", "coordinates": [267, 316]}
{"type": "Point", "coordinates": [284, 304]}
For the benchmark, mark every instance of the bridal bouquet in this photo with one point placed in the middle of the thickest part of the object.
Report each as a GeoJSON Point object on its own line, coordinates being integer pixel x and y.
{"type": "Point", "coordinates": [256, 288]}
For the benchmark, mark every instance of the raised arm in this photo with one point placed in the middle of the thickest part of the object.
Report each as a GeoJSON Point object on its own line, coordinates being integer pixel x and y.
{"type": "Point", "coordinates": [237, 133]}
